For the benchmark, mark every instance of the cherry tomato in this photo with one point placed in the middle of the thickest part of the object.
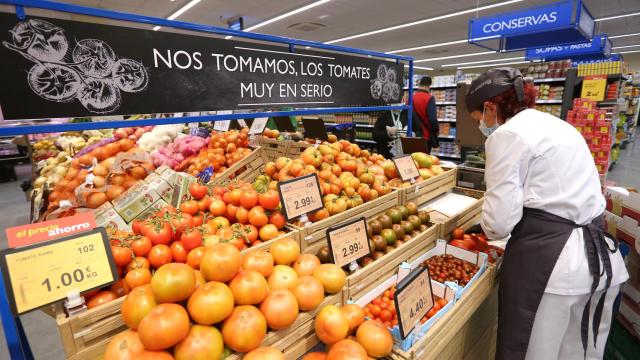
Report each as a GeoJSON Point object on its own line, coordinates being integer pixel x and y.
{"type": "Point", "coordinates": [121, 255]}
{"type": "Point", "coordinates": [159, 255]}
{"type": "Point", "coordinates": [178, 252]}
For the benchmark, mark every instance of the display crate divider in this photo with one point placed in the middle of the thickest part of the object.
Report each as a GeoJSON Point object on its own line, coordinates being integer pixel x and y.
{"type": "Point", "coordinates": [17, 342]}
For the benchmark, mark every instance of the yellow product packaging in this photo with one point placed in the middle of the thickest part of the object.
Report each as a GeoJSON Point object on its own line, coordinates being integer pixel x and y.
{"type": "Point", "coordinates": [135, 200]}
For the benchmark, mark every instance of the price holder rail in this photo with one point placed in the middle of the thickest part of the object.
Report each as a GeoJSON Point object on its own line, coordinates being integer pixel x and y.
{"type": "Point", "coordinates": [413, 300]}
{"type": "Point", "coordinates": [349, 242]}
{"type": "Point", "coordinates": [43, 273]}
{"type": "Point", "coordinates": [300, 196]}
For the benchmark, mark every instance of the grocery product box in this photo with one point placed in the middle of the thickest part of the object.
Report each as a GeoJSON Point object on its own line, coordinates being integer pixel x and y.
{"type": "Point", "coordinates": [135, 200]}
{"type": "Point", "coordinates": [622, 202]}
{"type": "Point", "coordinates": [110, 219]}
{"type": "Point", "coordinates": [181, 188]}
{"type": "Point", "coordinates": [154, 208]}
{"type": "Point", "coordinates": [623, 228]}
{"type": "Point", "coordinates": [162, 187]}
{"type": "Point", "coordinates": [167, 174]}
{"type": "Point", "coordinates": [630, 313]}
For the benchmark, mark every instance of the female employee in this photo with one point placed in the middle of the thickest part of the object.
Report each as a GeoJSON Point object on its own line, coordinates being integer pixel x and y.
{"type": "Point", "coordinates": [560, 275]}
{"type": "Point", "coordinates": [387, 129]}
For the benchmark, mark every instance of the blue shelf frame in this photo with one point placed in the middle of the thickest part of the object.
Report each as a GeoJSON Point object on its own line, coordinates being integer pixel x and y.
{"type": "Point", "coordinates": [155, 21]}
{"type": "Point", "coordinates": [17, 342]}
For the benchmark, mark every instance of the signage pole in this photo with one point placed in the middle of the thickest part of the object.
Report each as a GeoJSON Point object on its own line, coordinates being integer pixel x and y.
{"type": "Point", "coordinates": [17, 342]}
{"type": "Point", "coordinates": [410, 101]}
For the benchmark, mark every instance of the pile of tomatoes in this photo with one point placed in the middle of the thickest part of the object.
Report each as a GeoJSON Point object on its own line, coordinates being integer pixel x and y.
{"type": "Point", "coordinates": [383, 309]}
{"type": "Point", "coordinates": [225, 149]}
{"type": "Point", "coordinates": [476, 242]}
{"type": "Point", "coordinates": [225, 304]}
{"type": "Point", "coordinates": [438, 304]}
{"type": "Point", "coordinates": [446, 267]}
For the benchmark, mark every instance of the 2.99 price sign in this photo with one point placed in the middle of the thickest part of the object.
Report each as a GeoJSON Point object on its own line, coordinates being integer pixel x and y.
{"type": "Point", "coordinates": [348, 242]}
{"type": "Point", "coordinates": [300, 196]}
{"type": "Point", "coordinates": [43, 273]}
{"type": "Point", "coordinates": [406, 168]}
{"type": "Point", "coordinates": [413, 299]}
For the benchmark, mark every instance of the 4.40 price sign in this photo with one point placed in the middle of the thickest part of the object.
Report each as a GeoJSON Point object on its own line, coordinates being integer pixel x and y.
{"type": "Point", "coordinates": [348, 242]}
{"type": "Point", "coordinates": [43, 273]}
{"type": "Point", "coordinates": [300, 196]}
{"type": "Point", "coordinates": [413, 299]}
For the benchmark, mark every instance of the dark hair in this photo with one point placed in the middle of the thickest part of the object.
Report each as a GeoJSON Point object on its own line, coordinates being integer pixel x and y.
{"type": "Point", "coordinates": [425, 81]}
{"type": "Point", "coordinates": [507, 102]}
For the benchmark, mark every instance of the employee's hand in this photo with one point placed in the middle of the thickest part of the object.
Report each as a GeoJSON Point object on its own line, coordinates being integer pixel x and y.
{"type": "Point", "coordinates": [391, 131]}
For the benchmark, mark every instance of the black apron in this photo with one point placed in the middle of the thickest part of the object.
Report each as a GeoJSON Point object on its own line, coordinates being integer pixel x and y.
{"type": "Point", "coordinates": [530, 256]}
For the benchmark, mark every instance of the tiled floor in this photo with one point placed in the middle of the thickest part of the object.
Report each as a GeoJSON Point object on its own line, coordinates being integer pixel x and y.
{"type": "Point", "coordinates": [626, 171]}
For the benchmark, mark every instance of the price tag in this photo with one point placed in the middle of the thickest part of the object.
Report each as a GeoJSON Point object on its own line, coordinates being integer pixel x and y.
{"type": "Point", "coordinates": [258, 125]}
{"type": "Point", "coordinates": [413, 299]}
{"type": "Point", "coordinates": [300, 196]}
{"type": "Point", "coordinates": [349, 242]}
{"type": "Point", "coordinates": [594, 87]}
{"type": "Point", "coordinates": [221, 125]}
{"type": "Point", "coordinates": [406, 168]}
{"type": "Point", "coordinates": [46, 272]}
{"type": "Point", "coordinates": [242, 123]}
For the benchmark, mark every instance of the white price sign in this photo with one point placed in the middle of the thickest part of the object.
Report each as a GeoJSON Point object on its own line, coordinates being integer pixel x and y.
{"type": "Point", "coordinates": [222, 125]}
{"type": "Point", "coordinates": [300, 196]}
{"type": "Point", "coordinates": [349, 242]}
{"type": "Point", "coordinates": [413, 299]}
{"type": "Point", "coordinates": [258, 125]}
{"type": "Point", "coordinates": [242, 123]}
{"type": "Point", "coordinates": [406, 168]}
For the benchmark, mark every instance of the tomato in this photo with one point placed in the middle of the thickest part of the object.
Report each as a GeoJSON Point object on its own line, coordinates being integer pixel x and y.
{"type": "Point", "coordinates": [218, 208]}
{"type": "Point", "coordinates": [202, 342]}
{"type": "Point", "coordinates": [331, 325]}
{"type": "Point", "coordinates": [457, 233]}
{"type": "Point", "coordinates": [375, 310]}
{"type": "Point", "coordinates": [282, 277]}
{"type": "Point", "coordinates": [191, 239]}
{"type": "Point", "coordinates": [155, 355]}
{"type": "Point", "coordinates": [354, 314]}
{"type": "Point", "coordinates": [173, 282]}
{"type": "Point", "coordinates": [308, 292]}
{"type": "Point", "coordinates": [231, 212]}
{"type": "Point", "coordinates": [181, 222]}
{"type": "Point", "coordinates": [121, 255]}
{"type": "Point", "coordinates": [242, 215]}
{"type": "Point", "coordinates": [120, 288]}
{"type": "Point", "coordinates": [431, 312]}
{"type": "Point", "coordinates": [137, 277]}
{"type": "Point", "coordinates": [257, 216]}
{"type": "Point", "coordinates": [347, 350]}
{"type": "Point", "coordinates": [135, 226]}
{"type": "Point", "coordinates": [244, 329]}
{"type": "Point", "coordinates": [194, 256]}
{"type": "Point", "coordinates": [124, 346]}
{"type": "Point", "coordinates": [331, 276]}
{"type": "Point", "coordinates": [220, 262]}
{"type": "Point", "coordinates": [249, 287]}
{"type": "Point", "coordinates": [260, 261]}
{"type": "Point", "coordinates": [189, 207]}
{"type": "Point", "coordinates": [164, 326]}
{"type": "Point", "coordinates": [159, 255]}
{"type": "Point", "coordinates": [141, 246]}
{"type": "Point", "coordinates": [385, 315]}
{"type": "Point", "coordinates": [159, 232]}
{"type": "Point", "coordinates": [249, 199]}
{"type": "Point", "coordinates": [285, 251]}
{"type": "Point", "coordinates": [280, 309]}
{"type": "Point", "coordinates": [264, 353]}
{"type": "Point", "coordinates": [198, 219]}
{"type": "Point", "coordinates": [198, 190]}
{"type": "Point", "coordinates": [276, 218]}
{"type": "Point", "coordinates": [250, 232]}
{"type": "Point", "coordinates": [138, 263]}
{"type": "Point", "coordinates": [316, 355]}
{"type": "Point", "coordinates": [235, 196]}
{"type": "Point", "coordinates": [100, 298]}
{"type": "Point", "coordinates": [204, 203]}
{"type": "Point", "coordinates": [210, 303]}
{"type": "Point", "coordinates": [178, 252]}
{"type": "Point", "coordinates": [305, 264]}
{"type": "Point", "coordinates": [268, 232]}
{"type": "Point", "coordinates": [138, 303]}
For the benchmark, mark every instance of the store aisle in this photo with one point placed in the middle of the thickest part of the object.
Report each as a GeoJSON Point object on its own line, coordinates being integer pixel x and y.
{"type": "Point", "coordinates": [626, 172]}
{"type": "Point", "coordinates": [40, 328]}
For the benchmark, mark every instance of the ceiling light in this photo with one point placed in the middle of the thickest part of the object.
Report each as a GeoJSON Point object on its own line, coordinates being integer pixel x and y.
{"type": "Point", "coordinates": [623, 47]}
{"type": "Point", "coordinates": [423, 21]}
{"type": "Point", "coordinates": [180, 11]}
{"type": "Point", "coordinates": [493, 65]}
{"type": "Point", "coordinates": [484, 61]}
{"type": "Point", "coordinates": [428, 46]}
{"type": "Point", "coordinates": [623, 35]}
{"type": "Point", "coordinates": [629, 52]}
{"type": "Point", "coordinates": [617, 16]}
{"type": "Point", "coordinates": [456, 56]}
{"type": "Point", "coordinates": [285, 15]}
{"type": "Point", "coordinates": [419, 67]}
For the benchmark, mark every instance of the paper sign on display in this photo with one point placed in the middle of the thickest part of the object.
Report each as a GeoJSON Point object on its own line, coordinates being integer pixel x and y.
{"type": "Point", "coordinates": [258, 125]}
{"type": "Point", "coordinates": [46, 272]}
{"type": "Point", "coordinates": [413, 299]}
{"type": "Point", "coordinates": [406, 168]}
{"type": "Point", "coordinates": [594, 87]}
{"type": "Point", "coordinates": [348, 242]}
{"type": "Point", "coordinates": [300, 196]}
{"type": "Point", "coordinates": [32, 233]}
{"type": "Point", "coordinates": [222, 125]}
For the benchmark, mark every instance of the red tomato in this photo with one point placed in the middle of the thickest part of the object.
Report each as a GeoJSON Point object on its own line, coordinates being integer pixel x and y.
{"type": "Point", "coordinates": [250, 232]}
{"type": "Point", "coordinates": [100, 298]}
{"type": "Point", "coordinates": [385, 315]}
{"type": "Point", "coordinates": [249, 199]}
{"type": "Point", "coordinates": [181, 222]}
{"type": "Point", "coordinates": [198, 219]}
{"type": "Point", "coordinates": [138, 262]}
{"type": "Point", "coordinates": [135, 226]}
{"type": "Point", "coordinates": [198, 190]}
{"type": "Point", "coordinates": [269, 200]}
{"type": "Point", "coordinates": [204, 203]}
{"type": "Point", "coordinates": [121, 255]}
{"type": "Point", "coordinates": [194, 256]}
{"type": "Point", "coordinates": [141, 246]}
{"type": "Point", "coordinates": [191, 239]}
{"type": "Point", "coordinates": [277, 219]}
{"type": "Point", "coordinates": [159, 232]}
{"type": "Point", "coordinates": [159, 255]}
{"type": "Point", "coordinates": [257, 217]}
{"type": "Point", "coordinates": [178, 252]}
{"type": "Point", "coordinates": [189, 207]}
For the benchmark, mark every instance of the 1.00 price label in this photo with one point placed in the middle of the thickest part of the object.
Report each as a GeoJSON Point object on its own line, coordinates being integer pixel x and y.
{"type": "Point", "coordinates": [348, 242]}
{"type": "Point", "coordinates": [413, 299]}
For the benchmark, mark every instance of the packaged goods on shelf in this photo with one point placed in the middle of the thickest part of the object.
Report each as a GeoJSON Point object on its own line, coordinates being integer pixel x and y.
{"type": "Point", "coordinates": [544, 70]}
{"type": "Point", "coordinates": [595, 127]}
{"type": "Point", "coordinates": [444, 80]}
{"type": "Point", "coordinates": [602, 68]}
{"type": "Point", "coordinates": [552, 109]}
{"type": "Point", "coordinates": [549, 92]}
{"type": "Point", "coordinates": [444, 95]}
{"type": "Point", "coordinates": [447, 112]}
{"type": "Point", "coordinates": [448, 148]}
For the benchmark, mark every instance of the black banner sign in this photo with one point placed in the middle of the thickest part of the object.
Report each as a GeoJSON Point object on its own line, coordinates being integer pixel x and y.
{"type": "Point", "coordinates": [58, 68]}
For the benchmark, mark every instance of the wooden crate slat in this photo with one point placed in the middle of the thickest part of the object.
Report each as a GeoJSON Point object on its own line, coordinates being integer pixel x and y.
{"type": "Point", "coordinates": [251, 162]}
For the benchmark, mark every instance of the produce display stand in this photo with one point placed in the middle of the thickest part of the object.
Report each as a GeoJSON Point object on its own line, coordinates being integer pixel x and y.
{"type": "Point", "coordinates": [246, 169]}
{"type": "Point", "coordinates": [295, 148]}
{"type": "Point", "coordinates": [273, 148]}
{"type": "Point", "coordinates": [423, 191]}
{"type": "Point", "coordinates": [465, 218]}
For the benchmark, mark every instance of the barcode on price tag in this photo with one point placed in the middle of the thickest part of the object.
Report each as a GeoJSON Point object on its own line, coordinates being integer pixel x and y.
{"type": "Point", "coordinates": [258, 125]}
{"type": "Point", "coordinates": [413, 299]}
{"type": "Point", "coordinates": [406, 167]}
{"type": "Point", "coordinates": [348, 242]}
{"type": "Point", "coordinates": [300, 196]}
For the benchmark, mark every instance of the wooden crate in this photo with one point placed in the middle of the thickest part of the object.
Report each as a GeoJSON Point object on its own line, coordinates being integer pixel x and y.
{"type": "Point", "coordinates": [467, 217]}
{"type": "Point", "coordinates": [445, 340]}
{"type": "Point", "coordinates": [292, 233]}
{"type": "Point", "coordinates": [89, 332]}
{"type": "Point", "coordinates": [246, 169]}
{"type": "Point", "coordinates": [315, 232]}
{"type": "Point", "coordinates": [273, 148]}
{"type": "Point", "coordinates": [295, 148]}
{"type": "Point", "coordinates": [302, 347]}
{"type": "Point", "coordinates": [423, 191]}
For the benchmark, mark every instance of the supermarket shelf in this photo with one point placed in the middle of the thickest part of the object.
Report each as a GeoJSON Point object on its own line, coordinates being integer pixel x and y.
{"type": "Point", "coordinates": [444, 86]}
{"type": "Point", "coordinates": [407, 88]}
{"type": "Point", "coordinates": [365, 141]}
{"type": "Point", "coordinates": [559, 79]}
{"type": "Point", "coordinates": [445, 155]}
{"type": "Point", "coordinates": [447, 120]}
{"type": "Point", "coordinates": [549, 101]}
{"type": "Point", "coordinates": [364, 125]}
{"type": "Point", "coordinates": [446, 103]}
{"type": "Point", "coordinates": [608, 102]}
{"type": "Point", "coordinates": [446, 136]}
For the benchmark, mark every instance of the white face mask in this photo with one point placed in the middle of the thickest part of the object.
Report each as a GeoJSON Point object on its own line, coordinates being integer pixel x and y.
{"type": "Point", "coordinates": [487, 131]}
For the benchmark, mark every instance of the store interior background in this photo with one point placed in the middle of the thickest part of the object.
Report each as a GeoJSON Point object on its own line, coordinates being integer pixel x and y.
{"type": "Point", "coordinates": [441, 43]}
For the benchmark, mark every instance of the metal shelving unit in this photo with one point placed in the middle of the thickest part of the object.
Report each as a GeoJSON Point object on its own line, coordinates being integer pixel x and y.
{"type": "Point", "coordinates": [548, 80]}
{"type": "Point", "coordinates": [554, 101]}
